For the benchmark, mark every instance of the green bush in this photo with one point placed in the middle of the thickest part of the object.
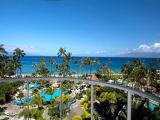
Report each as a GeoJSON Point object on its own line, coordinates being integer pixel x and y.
{"type": "Point", "coordinates": [85, 114]}
{"type": "Point", "coordinates": [79, 96]}
{"type": "Point", "coordinates": [77, 117]}
{"type": "Point", "coordinates": [7, 90]}
{"type": "Point", "coordinates": [33, 113]}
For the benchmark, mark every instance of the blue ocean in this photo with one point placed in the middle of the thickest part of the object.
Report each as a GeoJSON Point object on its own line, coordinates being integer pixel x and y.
{"type": "Point", "coordinates": [115, 63]}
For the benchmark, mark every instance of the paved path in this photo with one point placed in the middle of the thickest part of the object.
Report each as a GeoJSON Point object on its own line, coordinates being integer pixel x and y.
{"type": "Point", "coordinates": [45, 114]}
{"type": "Point", "coordinates": [12, 111]}
{"type": "Point", "coordinates": [75, 109]}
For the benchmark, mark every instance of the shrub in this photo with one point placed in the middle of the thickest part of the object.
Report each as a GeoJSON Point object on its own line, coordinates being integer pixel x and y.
{"type": "Point", "coordinates": [77, 117]}
{"type": "Point", "coordinates": [85, 114]}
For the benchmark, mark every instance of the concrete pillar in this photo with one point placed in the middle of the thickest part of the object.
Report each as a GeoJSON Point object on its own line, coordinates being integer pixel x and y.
{"type": "Point", "coordinates": [129, 105]}
{"type": "Point", "coordinates": [28, 97]}
{"type": "Point", "coordinates": [92, 96]}
{"type": "Point", "coordinates": [60, 107]}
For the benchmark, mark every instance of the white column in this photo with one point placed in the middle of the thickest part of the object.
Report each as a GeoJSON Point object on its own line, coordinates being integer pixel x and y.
{"type": "Point", "coordinates": [60, 107]}
{"type": "Point", "coordinates": [129, 105]}
{"type": "Point", "coordinates": [92, 117]}
{"type": "Point", "coordinates": [28, 97]}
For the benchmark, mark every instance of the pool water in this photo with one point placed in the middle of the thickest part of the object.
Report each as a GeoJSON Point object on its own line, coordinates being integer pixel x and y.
{"type": "Point", "coordinates": [35, 85]}
{"type": "Point", "coordinates": [46, 97]}
{"type": "Point", "coordinates": [20, 102]}
{"type": "Point", "coordinates": [152, 106]}
{"type": "Point", "coordinates": [49, 97]}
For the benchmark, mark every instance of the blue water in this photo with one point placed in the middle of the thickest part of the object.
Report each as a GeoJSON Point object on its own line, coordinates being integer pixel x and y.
{"type": "Point", "coordinates": [46, 97]}
{"type": "Point", "coordinates": [19, 102]}
{"type": "Point", "coordinates": [49, 97]}
{"type": "Point", "coordinates": [35, 85]}
{"type": "Point", "coordinates": [152, 106]}
{"type": "Point", "coordinates": [115, 63]}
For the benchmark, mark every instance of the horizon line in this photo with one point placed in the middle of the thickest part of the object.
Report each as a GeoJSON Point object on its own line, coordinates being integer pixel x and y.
{"type": "Point", "coordinates": [91, 56]}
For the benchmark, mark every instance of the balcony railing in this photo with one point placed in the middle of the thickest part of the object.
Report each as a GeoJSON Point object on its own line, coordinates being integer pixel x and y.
{"type": "Point", "coordinates": [129, 91]}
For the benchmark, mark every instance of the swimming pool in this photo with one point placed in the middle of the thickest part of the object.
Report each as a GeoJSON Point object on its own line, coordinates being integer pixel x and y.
{"type": "Point", "coordinates": [152, 106]}
{"type": "Point", "coordinates": [23, 101]}
{"type": "Point", "coordinates": [33, 85]}
{"type": "Point", "coordinates": [46, 97]}
{"type": "Point", "coordinates": [49, 97]}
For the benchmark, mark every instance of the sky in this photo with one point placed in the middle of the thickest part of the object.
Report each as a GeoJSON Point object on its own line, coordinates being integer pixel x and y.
{"type": "Point", "coordinates": [83, 27]}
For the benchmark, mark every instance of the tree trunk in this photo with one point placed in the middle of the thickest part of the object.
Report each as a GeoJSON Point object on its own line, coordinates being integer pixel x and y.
{"type": "Point", "coordinates": [20, 71]}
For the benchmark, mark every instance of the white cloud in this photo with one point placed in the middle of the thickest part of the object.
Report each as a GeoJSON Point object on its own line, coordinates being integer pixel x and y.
{"type": "Point", "coordinates": [101, 52]}
{"type": "Point", "coordinates": [155, 47]}
{"type": "Point", "coordinates": [144, 46]}
{"type": "Point", "coordinates": [29, 50]}
{"type": "Point", "coordinates": [143, 49]}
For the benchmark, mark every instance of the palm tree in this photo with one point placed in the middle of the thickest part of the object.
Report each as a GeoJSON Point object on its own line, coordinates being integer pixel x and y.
{"type": "Point", "coordinates": [68, 56]}
{"type": "Point", "coordinates": [2, 50]}
{"type": "Point", "coordinates": [34, 65]}
{"type": "Point", "coordinates": [135, 72]}
{"type": "Point", "coordinates": [105, 70]}
{"type": "Point", "coordinates": [81, 67]}
{"type": "Point", "coordinates": [61, 52]}
{"type": "Point", "coordinates": [152, 74]}
{"type": "Point", "coordinates": [54, 68]}
{"type": "Point", "coordinates": [96, 62]}
{"type": "Point", "coordinates": [76, 62]}
{"type": "Point", "coordinates": [15, 65]}
{"type": "Point", "coordinates": [126, 70]}
{"type": "Point", "coordinates": [108, 62]}
{"type": "Point", "coordinates": [4, 61]}
{"type": "Point", "coordinates": [3, 65]}
{"type": "Point", "coordinates": [17, 55]}
{"type": "Point", "coordinates": [26, 114]}
{"type": "Point", "coordinates": [51, 63]}
{"type": "Point", "coordinates": [84, 61]}
{"type": "Point", "coordinates": [139, 73]}
{"type": "Point", "coordinates": [9, 66]}
{"type": "Point", "coordinates": [63, 68]}
{"type": "Point", "coordinates": [87, 61]}
{"type": "Point", "coordinates": [9, 70]}
{"type": "Point", "coordinates": [38, 100]}
{"type": "Point", "coordinates": [42, 68]}
{"type": "Point", "coordinates": [50, 91]}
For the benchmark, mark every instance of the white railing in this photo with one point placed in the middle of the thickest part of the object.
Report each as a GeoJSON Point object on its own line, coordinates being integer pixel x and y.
{"type": "Point", "coordinates": [130, 91]}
